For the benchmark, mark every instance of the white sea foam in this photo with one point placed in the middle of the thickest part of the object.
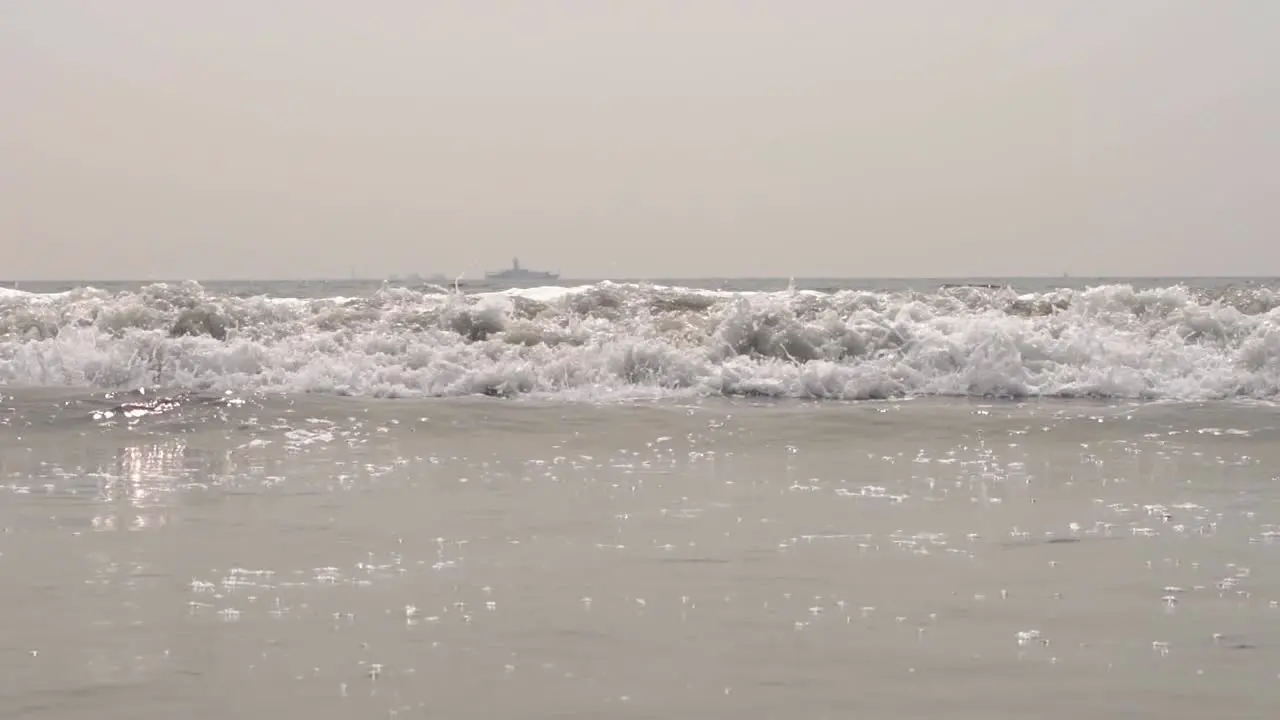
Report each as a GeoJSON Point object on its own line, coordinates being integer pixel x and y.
{"type": "Point", "coordinates": [15, 294]}
{"type": "Point", "coordinates": [637, 341]}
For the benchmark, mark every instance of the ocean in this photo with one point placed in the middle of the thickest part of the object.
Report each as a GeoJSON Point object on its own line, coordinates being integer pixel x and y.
{"type": "Point", "coordinates": [989, 498]}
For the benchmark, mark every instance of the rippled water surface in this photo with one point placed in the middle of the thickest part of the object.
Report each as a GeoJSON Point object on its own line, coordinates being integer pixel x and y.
{"type": "Point", "coordinates": [258, 556]}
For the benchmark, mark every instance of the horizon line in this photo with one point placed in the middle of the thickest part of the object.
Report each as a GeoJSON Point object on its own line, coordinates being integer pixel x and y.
{"type": "Point", "coordinates": [562, 279]}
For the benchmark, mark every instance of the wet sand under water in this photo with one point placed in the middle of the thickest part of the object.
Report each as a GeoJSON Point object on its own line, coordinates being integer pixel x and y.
{"type": "Point", "coordinates": [331, 558]}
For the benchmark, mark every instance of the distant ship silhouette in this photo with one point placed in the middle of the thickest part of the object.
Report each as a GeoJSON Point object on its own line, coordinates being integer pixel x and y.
{"type": "Point", "coordinates": [515, 272]}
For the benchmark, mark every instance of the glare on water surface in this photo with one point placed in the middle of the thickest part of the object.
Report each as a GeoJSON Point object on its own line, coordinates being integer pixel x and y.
{"type": "Point", "coordinates": [741, 559]}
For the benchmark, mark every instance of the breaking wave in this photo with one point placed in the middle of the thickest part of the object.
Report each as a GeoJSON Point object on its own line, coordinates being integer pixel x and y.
{"type": "Point", "coordinates": [618, 341]}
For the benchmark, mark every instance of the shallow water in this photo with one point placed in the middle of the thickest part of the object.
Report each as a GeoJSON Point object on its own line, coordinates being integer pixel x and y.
{"type": "Point", "coordinates": [339, 558]}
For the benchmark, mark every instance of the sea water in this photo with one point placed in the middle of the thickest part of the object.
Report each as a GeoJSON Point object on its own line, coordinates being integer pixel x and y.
{"type": "Point", "coordinates": [657, 500]}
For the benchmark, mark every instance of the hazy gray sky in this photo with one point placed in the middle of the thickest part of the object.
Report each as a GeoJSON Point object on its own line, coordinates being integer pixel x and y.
{"type": "Point", "coordinates": [643, 138]}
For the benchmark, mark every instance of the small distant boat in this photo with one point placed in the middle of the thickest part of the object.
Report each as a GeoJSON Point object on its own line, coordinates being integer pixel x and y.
{"type": "Point", "coordinates": [515, 272]}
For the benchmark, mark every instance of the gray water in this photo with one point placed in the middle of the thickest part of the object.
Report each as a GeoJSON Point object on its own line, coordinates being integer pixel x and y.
{"type": "Point", "coordinates": [307, 556]}
{"type": "Point", "coordinates": [214, 504]}
{"type": "Point", "coordinates": [358, 287]}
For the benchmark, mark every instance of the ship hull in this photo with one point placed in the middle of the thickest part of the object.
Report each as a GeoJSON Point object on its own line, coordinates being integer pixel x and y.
{"type": "Point", "coordinates": [515, 273]}
{"type": "Point", "coordinates": [521, 276]}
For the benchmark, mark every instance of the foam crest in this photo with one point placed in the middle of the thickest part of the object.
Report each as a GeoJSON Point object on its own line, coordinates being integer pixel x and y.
{"type": "Point", "coordinates": [610, 340]}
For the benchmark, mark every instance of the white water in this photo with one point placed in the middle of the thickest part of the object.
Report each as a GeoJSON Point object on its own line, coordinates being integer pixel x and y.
{"type": "Point", "coordinates": [615, 341]}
